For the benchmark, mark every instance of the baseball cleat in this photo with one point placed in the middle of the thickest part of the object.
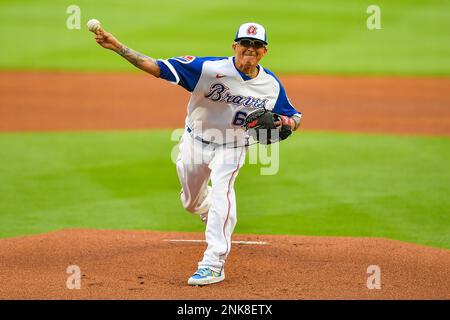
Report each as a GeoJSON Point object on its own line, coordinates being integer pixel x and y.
{"type": "Point", "coordinates": [205, 276]}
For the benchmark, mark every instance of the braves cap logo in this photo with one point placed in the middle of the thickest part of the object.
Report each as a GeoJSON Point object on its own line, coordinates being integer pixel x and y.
{"type": "Point", "coordinates": [251, 30]}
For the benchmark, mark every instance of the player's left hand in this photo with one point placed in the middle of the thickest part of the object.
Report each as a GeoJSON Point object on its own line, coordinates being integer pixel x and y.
{"type": "Point", "coordinates": [284, 121]}
{"type": "Point", "coordinates": [260, 122]}
{"type": "Point", "coordinates": [284, 124]}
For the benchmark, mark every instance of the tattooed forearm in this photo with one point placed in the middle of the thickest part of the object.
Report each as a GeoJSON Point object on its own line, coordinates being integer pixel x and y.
{"type": "Point", "coordinates": [139, 60]}
{"type": "Point", "coordinates": [136, 58]}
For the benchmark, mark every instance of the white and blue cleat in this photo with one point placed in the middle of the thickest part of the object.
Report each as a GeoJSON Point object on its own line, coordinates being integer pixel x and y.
{"type": "Point", "coordinates": [205, 276]}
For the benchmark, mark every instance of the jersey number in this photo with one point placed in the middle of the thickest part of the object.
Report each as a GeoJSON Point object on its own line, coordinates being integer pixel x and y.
{"type": "Point", "coordinates": [239, 118]}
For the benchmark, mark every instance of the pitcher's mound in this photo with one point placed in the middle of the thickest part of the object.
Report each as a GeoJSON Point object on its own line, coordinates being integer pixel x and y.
{"type": "Point", "coordinates": [147, 265]}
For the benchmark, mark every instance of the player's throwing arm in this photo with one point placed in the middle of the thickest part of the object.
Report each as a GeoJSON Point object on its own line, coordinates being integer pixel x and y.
{"type": "Point", "coordinates": [108, 41]}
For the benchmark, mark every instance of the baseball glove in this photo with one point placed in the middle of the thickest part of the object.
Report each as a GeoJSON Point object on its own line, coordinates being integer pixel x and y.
{"type": "Point", "coordinates": [260, 124]}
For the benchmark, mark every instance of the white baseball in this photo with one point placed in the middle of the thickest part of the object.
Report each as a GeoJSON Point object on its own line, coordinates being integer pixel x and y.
{"type": "Point", "coordinates": [93, 25]}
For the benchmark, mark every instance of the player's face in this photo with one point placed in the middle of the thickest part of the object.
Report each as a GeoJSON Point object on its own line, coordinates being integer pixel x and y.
{"type": "Point", "coordinates": [249, 53]}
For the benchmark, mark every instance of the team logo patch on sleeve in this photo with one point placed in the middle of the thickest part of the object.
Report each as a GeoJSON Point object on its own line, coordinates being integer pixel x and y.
{"type": "Point", "coordinates": [185, 59]}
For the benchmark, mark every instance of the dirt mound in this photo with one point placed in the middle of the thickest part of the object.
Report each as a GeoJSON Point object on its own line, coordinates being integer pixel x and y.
{"type": "Point", "coordinates": [35, 101]}
{"type": "Point", "coordinates": [145, 265]}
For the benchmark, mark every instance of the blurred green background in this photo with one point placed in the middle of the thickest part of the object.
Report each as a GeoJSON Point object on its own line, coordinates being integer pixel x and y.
{"type": "Point", "coordinates": [320, 36]}
{"type": "Point", "coordinates": [328, 184]}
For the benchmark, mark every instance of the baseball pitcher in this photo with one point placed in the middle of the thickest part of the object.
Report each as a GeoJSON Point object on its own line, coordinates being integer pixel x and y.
{"type": "Point", "coordinates": [233, 98]}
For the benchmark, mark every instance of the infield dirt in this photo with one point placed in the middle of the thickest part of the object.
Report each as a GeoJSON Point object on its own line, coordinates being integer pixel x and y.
{"type": "Point", "coordinates": [144, 265]}
{"type": "Point", "coordinates": [52, 101]}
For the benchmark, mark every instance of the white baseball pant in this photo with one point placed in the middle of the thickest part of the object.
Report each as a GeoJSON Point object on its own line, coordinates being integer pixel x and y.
{"type": "Point", "coordinates": [197, 164]}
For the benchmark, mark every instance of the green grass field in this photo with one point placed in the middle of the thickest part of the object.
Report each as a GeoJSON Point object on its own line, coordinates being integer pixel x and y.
{"type": "Point", "coordinates": [321, 36]}
{"type": "Point", "coordinates": [328, 184]}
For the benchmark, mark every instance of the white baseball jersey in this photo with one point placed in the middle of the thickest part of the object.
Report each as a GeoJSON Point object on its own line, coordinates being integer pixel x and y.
{"type": "Point", "coordinates": [219, 93]}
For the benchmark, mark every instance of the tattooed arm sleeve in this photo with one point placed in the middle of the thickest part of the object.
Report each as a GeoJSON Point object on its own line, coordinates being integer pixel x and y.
{"type": "Point", "coordinates": [140, 60]}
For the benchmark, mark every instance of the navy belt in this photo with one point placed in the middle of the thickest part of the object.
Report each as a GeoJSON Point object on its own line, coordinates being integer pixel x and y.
{"type": "Point", "coordinates": [189, 130]}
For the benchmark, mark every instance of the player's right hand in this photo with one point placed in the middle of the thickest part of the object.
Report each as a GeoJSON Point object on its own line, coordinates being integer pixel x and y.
{"type": "Point", "coordinates": [107, 40]}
